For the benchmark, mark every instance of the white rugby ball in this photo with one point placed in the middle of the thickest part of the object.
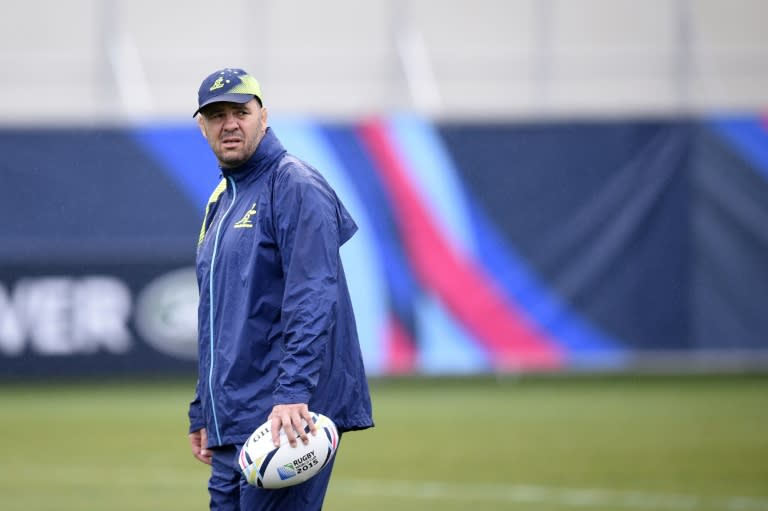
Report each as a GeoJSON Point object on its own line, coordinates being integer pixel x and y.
{"type": "Point", "coordinates": [267, 466]}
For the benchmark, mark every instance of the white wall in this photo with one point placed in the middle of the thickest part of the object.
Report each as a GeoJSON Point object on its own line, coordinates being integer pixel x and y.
{"type": "Point", "coordinates": [85, 60]}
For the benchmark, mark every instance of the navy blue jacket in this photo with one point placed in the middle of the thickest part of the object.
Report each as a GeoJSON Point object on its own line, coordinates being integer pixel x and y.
{"type": "Point", "coordinates": [275, 321]}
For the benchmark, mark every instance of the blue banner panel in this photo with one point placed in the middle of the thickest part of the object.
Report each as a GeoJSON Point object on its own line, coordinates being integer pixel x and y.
{"type": "Point", "coordinates": [729, 291]}
{"type": "Point", "coordinates": [600, 211]}
{"type": "Point", "coordinates": [93, 193]}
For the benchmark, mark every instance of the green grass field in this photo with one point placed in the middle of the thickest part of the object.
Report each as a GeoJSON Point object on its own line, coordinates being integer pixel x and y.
{"type": "Point", "coordinates": [593, 444]}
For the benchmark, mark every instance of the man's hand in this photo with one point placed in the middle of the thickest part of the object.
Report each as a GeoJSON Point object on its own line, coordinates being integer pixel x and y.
{"type": "Point", "coordinates": [198, 440]}
{"type": "Point", "coordinates": [288, 417]}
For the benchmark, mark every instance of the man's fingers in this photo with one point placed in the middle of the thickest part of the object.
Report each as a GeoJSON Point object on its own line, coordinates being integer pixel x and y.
{"type": "Point", "coordinates": [310, 422]}
{"type": "Point", "coordinates": [198, 440]}
{"type": "Point", "coordinates": [289, 419]}
{"type": "Point", "coordinates": [205, 456]}
{"type": "Point", "coordinates": [302, 430]}
{"type": "Point", "coordinates": [291, 425]}
{"type": "Point", "coordinates": [275, 427]}
{"type": "Point", "coordinates": [285, 422]}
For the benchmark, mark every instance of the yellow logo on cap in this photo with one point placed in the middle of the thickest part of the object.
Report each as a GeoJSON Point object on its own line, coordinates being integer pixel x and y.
{"type": "Point", "coordinates": [218, 84]}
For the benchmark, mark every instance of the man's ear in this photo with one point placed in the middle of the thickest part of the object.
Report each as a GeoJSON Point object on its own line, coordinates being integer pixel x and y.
{"type": "Point", "coordinates": [264, 117]}
{"type": "Point", "coordinates": [201, 125]}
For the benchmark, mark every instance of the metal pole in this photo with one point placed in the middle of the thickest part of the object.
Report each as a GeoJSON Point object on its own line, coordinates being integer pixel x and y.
{"type": "Point", "coordinates": [398, 26]}
{"type": "Point", "coordinates": [104, 81]}
{"type": "Point", "coordinates": [416, 66]}
{"type": "Point", "coordinates": [684, 65]}
{"type": "Point", "coordinates": [542, 56]}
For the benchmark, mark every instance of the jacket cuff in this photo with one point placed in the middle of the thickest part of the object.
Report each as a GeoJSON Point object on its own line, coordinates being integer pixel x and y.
{"type": "Point", "coordinates": [284, 397]}
{"type": "Point", "coordinates": [196, 421]}
{"type": "Point", "coordinates": [195, 426]}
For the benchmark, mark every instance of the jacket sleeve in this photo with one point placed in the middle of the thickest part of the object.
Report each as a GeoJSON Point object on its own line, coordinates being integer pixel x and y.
{"type": "Point", "coordinates": [196, 421]}
{"type": "Point", "coordinates": [307, 231]}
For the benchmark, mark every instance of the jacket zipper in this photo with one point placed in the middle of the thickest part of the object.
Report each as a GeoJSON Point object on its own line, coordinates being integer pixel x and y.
{"type": "Point", "coordinates": [211, 308]}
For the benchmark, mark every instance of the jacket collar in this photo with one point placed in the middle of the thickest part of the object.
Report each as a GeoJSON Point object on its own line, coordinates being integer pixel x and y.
{"type": "Point", "coordinates": [268, 150]}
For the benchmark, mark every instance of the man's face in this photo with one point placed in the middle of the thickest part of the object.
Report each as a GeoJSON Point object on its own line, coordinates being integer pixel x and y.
{"type": "Point", "coordinates": [233, 130]}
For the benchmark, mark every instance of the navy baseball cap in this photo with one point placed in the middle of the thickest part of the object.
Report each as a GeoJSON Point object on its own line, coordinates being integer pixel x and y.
{"type": "Point", "coordinates": [231, 85]}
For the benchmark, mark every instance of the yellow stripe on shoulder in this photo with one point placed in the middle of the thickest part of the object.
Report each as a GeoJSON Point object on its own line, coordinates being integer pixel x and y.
{"type": "Point", "coordinates": [213, 199]}
{"type": "Point", "coordinates": [217, 191]}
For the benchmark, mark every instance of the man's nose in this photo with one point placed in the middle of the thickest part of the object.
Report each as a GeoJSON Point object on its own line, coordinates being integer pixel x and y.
{"type": "Point", "coordinates": [230, 121]}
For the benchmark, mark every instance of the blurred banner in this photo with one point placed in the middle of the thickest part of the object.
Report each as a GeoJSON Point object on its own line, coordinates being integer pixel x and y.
{"type": "Point", "coordinates": [561, 246]}
{"type": "Point", "coordinates": [97, 319]}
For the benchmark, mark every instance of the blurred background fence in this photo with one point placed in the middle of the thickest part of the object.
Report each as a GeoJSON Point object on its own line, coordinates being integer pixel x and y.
{"type": "Point", "coordinates": [541, 185]}
{"type": "Point", "coordinates": [118, 59]}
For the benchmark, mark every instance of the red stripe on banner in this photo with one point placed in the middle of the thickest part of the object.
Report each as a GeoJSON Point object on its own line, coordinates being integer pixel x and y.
{"type": "Point", "coordinates": [400, 350]}
{"type": "Point", "coordinates": [464, 288]}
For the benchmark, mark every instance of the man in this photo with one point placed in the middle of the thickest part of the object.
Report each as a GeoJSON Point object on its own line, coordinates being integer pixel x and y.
{"type": "Point", "coordinates": [277, 333]}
